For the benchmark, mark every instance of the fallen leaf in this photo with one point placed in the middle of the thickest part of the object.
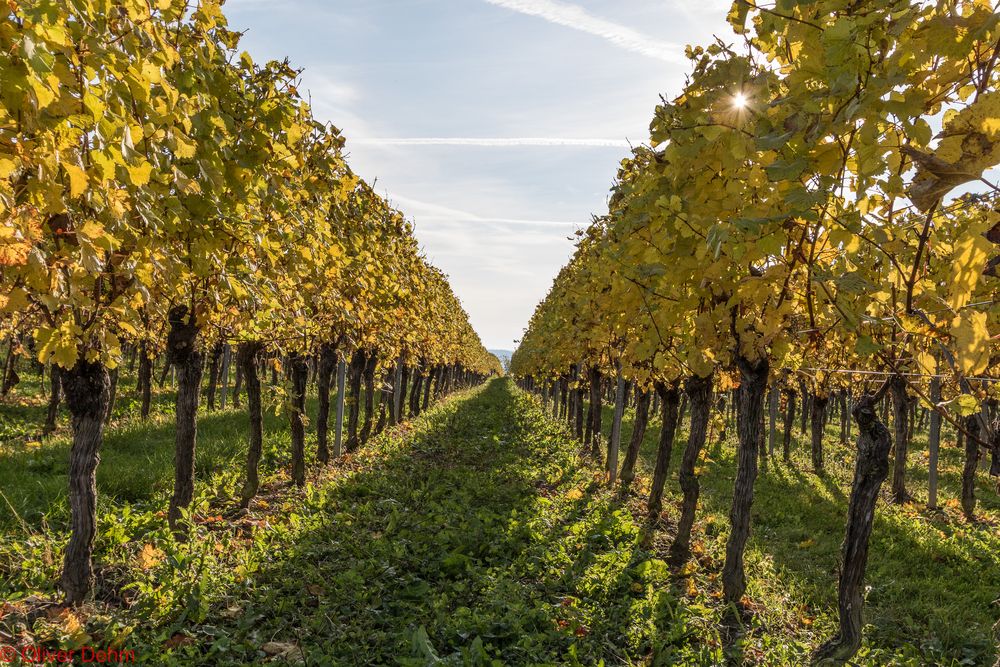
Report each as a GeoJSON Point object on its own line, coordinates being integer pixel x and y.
{"type": "Point", "coordinates": [283, 650]}
{"type": "Point", "coordinates": [149, 557]}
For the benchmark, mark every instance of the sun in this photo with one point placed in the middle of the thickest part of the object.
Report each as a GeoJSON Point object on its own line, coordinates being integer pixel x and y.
{"type": "Point", "coordinates": [740, 101]}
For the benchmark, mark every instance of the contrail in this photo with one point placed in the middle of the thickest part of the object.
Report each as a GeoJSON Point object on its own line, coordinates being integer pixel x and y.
{"type": "Point", "coordinates": [489, 141]}
{"type": "Point", "coordinates": [437, 212]}
{"type": "Point", "coordinates": [578, 18]}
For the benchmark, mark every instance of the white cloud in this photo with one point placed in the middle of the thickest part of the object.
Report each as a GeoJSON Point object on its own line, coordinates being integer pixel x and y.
{"type": "Point", "coordinates": [494, 269]}
{"type": "Point", "coordinates": [578, 18]}
{"type": "Point", "coordinates": [489, 141]}
{"type": "Point", "coordinates": [333, 100]}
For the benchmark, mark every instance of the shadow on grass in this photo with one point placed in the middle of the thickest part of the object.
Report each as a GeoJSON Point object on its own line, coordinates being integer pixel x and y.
{"type": "Point", "coordinates": [932, 578]}
{"type": "Point", "coordinates": [479, 537]}
{"type": "Point", "coordinates": [136, 460]}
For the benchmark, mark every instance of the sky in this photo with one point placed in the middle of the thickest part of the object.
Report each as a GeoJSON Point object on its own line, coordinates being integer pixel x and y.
{"type": "Point", "coordinates": [496, 126]}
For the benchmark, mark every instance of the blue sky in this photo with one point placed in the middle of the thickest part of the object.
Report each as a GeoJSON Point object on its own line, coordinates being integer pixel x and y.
{"type": "Point", "coordinates": [437, 97]}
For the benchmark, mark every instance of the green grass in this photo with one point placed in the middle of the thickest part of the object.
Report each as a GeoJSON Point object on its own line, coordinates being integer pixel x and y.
{"type": "Point", "coordinates": [933, 579]}
{"type": "Point", "coordinates": [136, 456]}
{"type": "Point", "coordinates": [476, 535]}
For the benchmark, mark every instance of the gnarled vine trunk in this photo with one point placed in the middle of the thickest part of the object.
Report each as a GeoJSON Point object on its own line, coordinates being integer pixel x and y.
{"type": "Point", "coordinates": [804, 409]}
{"type": "Point", "coordinates": [300, 373]}
{"type": "Point", "coordinates": [748, 423]}
{"type": "Point", "coordinates": [933, 445]}
{"type": "Point", "coordinates": [385, 403]}
{"type": "Point", "coordinates": [357, 369]}
{"type": "Point", "coordinates": [403, 383]}
{"type": "Point", "coordinates": [699, 393]}
{"type": "Point", "coordinates": [578, 415]}
{"type": "Point", "coordinates": [614, 441]}
{"type": "Point", "coordinates": [338, 424]}
{"type": "Point", "coordinates": [145, 380]}
{"type": "Point", "coordinates": [870, 470]}
{"type": "Point", "coordinates": [635, 442]}
{"type": "Point", "coordinates": [113, 374]}
{"type": "Point", "coordinates": [670, 398]}
{"type": "Point", "coordinates": [772, 420]}
{"type": "Point", "coordinates": [369, 379]}
{"type": "Point", "coordinates": [972, 442]}
{"type": "Point", "coordinates": [88, 390]}
{"type": "Point", "coordinates": [10, 376]}
{"type": "Point", "coordinates": [818, 416]}
{"type": "Point", "coordinates": [845, 417]}
{"type": "Point", "coordinates": [237, 385]}
{"type": "Point", "coordinates": [214, 364]}
{"type": "Point", "coordinates": [786, 443]}
{"type": "Point", "coordinates": [324, 376]}
{"type": "Point", "coordinates": [563, 397]}
{"type": "Point", "coordinates": [574, 373]}
{"type": "Point", "coordinates": [595, 412]}
{"type": "Point", "coordinates": [54, 390]}
{"type": "Point", "coordinates": [414, 400]}
{"type": "Point", "coordinates": [900, 418]}
{"type": "Point", "coordinates": [187, 359]}
{"type": "Point", "coordinates": [397, 385]}
{"type": "Point", "coordinates": [431, 376]}
{"type": "Point", "coordinates": [247, 357]}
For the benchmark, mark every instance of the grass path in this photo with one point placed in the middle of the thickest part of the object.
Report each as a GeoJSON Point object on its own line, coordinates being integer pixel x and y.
{"type": "Point", "coordinates": [480, 536]}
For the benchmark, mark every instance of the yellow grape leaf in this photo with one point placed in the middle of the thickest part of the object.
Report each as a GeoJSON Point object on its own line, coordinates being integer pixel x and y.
{"type": "Point", "coordinates": [14, 253]}
{"type": "Point", "coordinates": [139, 174]}
{"type": "Point", "coordinates": [185, 184]}
{"type": "Point", "coordinates": [701, 366]}
{"type": "Point", "coordinates": [43, 94]}
{"type": "Point", "coordinates": [925, 362]}
{"type": "Point", "coordinates": [78, 181]}
{"type": "Point", "coordinates": [971, 340]}
{"type": "Point", "coordinates": [91, 229]}
{"type": "Point", "coordinates": [105, 165]}
{"type": "Point", "coordinates": [183, 146]}
{"type": "Point", "coordinates": [151, 72]}
{"type": "Point", "coordinates": [7, 167]}
{"type": "Point", "coordinates": [971, 253]}
{"type": "Point", "coordinates": [967, 405]}
{"type": "Point", "coordinates": [58, 345]}
{"type": "Point", "coordinates": [14, 302]}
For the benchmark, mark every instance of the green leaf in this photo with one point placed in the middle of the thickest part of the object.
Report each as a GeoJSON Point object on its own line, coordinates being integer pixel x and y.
{"type": "Point", "coordinates": [966, 405]}
{"type": "Point", "coordinates": [782, 170]}
{"type": "Point", "coordinates": [865, 346]}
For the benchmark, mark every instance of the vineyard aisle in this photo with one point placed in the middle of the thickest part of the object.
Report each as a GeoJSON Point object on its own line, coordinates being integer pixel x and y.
{"type": "Point", "coordinates": [478, 534]}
